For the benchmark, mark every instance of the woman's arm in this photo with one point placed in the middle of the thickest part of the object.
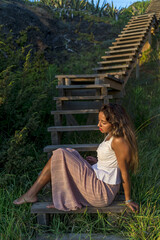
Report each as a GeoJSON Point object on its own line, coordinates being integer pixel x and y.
{"type": "Point", "coordinates": [122, 151]}
{"type": "Point", "coordinates": [91, 160]}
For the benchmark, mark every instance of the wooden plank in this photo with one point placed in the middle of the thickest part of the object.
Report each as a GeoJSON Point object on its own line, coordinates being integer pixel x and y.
{"type": "Point", "coordinates": [73, 128]}
{"type": "Point", "coordinates": [115, 207]}
{"type": "Point", "coordinates": [90, 86]}
{"type": "Point", "coordinates": [123, 50]}
{"type": "Point", "coordinates": [112, 67]}
{"type": "Point", "coordinates": [127, 41]}
{"type": "Point", "coordinates": [114, 85]}
{"type": "Point", "coordinates": [140, 20]}
{"type": "Point", "coordinates": [141, 36]}
{"type": "Point", "coordinates": [116, 61]}
{"type": "Point", "coordinates": [129, 28]}
{"type": "Point", "coordinates": [77, 76]}
{"type": "Point", "coordinates": [81, 98]}
{"type": "Point", "coordinates": [83, 111]}
{"type": "Point", "coordinates": [110, 57]}
{"type": "Point", "coordinates": [138, 30]}
{"type": "Point", "coordinates": [125, 46]}
{"type": "Point", "coordinates": [87, 76]}
{"type": "Point", "coordinates": [136, 25]}
{"type": "Point", "coordinates": [116, 73]}
{"type": "Point", "coordinates": [131, 34]}
{"type": "Point", "coordinates": [143, 15]}
{"type": "Point", "coordinates": [78, 147]}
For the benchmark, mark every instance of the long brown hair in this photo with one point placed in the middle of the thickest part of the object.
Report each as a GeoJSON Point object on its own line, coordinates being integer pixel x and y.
{"type": "Point", "coordinates": [122, 127]}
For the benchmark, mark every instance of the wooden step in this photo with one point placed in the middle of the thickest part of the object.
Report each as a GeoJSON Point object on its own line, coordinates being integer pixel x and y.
{"type": "Point", "coordinates": [117, 73]}
{"type": "Point", "coordinates": [73, 128]}
{"type": "Point", "coordinates": [143, 15]}
{"type": "Point", "coordinates": [112, 67]}
{"type": "Point", "coordinates": [125, 34]}
{"type": "Point", "coordinates": [145, 20]}
{"type": "Point", "coordinates": [85, 77]}
{"type": "Point", "coordinates": [110, 57]}
{"type": "Point", "coordinates": [90, 86]}
{"type": "Point", "coordinates": [118, 206]}
{"type": "Point", "coordinates": [127, 41]}
{"type": "Point", "coordinates": [122, 51]}
{"type": "Point", "coordinates": [83, 111]}
{"type": "Point", "coordinates": [137, 25]}
{"type": "Point", "coordinates": [78, 147]}
{"type": "Point", "coordinates": [132, 37]}
{"type": "Point", "coordinates": [135, 28]}
{"type": "Point", "coordinates": [125, 46]}
{"type": "Point", "coordinates": [138, 30]}
{"type": "Point", "coordinates": [70, 98]}
{"type": "Point", "coordinates": [116, 61]}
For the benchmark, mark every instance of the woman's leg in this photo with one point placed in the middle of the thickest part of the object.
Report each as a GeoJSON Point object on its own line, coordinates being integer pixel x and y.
{"type": "Point", "coordinates": [31, 195]}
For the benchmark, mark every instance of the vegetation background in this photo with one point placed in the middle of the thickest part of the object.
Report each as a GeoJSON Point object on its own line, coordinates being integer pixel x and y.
{"type": "Point", "coordinates": [37, 41]}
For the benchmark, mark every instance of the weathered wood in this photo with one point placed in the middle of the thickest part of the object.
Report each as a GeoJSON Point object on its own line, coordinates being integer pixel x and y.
{"type": "Point", "coordinates": [73, 128]}
{"type": "Point", "coordinates": [115, 207]}
{"type": "Point", "coordinates": [125, 46]}
{"type": "Point", "coordinates": [112, 52]}
{"type": "Point", "coordinates": [111, 57]}
{"type": "Point", "coordinates": [138, 30]}
{"type": "Point", "coordinates": [115, 61]}
{"type": "Point", "coordinates": [129, 41]}
{"type": "Point", "coordinates": [131, 34]}
{"type": "Point", "coordinates": [81, 111]}
{"type": "Point", "coordinates": [83, 76]}
{"type": "Point", "coordinates": [78, 147]}
{"type": "Point", "coordinates": [55, 137]}
{"type": "Point", "coordinates": [135, 25]}
{"type": "Point", "coordinates": [143, 20]}
{"type": "Point", "coordinates": [112, 67]}
{"type": "Point", "coordinates": [90, 86]}
{"type": "Point", "coordinates": [81, 98]}
{"type": "Point", "coordinates": [43, 219]}
{"type": "Point", "coordinates": [132, 29]}
{"type": "Point", "coordinates": [130, 37]}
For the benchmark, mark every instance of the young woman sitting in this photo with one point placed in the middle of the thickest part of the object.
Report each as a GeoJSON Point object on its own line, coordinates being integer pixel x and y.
{"type": "Point", "coordinates": [77, 182]}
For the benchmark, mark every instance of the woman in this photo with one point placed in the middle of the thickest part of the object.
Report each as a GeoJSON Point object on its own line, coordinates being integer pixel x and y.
{"type": "Point", "coordinates": [77, 182]}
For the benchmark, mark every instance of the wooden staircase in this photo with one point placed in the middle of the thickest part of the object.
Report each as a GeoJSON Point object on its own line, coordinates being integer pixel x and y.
{"type": "Point", "coordinates": [154, 7]}
{"type": "Point", "coordinates": [84, 94]}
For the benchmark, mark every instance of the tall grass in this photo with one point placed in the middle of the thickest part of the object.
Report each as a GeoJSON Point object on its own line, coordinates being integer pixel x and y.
{"type": "Point", "coordinates": [18, 223]}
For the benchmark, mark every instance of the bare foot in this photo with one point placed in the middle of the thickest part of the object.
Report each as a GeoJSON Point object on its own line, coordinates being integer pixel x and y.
{"type": "Point", "coordinates": [25, 199]}
{"type": "Point", "coordinates": [51, 206]}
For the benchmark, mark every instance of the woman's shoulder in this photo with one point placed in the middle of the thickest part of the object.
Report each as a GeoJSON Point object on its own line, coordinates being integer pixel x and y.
{"type": "Point", "coordinates": [119, 142]}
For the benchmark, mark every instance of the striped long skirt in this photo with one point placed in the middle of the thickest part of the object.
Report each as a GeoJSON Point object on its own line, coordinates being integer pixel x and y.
{"type": "Point", "coordinates": [75, 184]}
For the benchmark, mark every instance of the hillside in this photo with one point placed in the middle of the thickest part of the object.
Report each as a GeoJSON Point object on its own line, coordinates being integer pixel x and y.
{"type": "Point", "coordinates": [44, 31]}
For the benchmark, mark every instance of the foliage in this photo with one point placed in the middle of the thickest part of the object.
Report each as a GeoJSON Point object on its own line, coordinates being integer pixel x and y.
{"type": "Point", "coordinates": [102, 9]}
{"type": "Point", "coordinates": [26, 91]}
{"type": "Point", "coordinates": [138, 7]}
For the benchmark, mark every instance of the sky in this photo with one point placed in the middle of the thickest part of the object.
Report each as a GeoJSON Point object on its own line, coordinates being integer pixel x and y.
{"type": "Point", "coordinates": [122, 3]}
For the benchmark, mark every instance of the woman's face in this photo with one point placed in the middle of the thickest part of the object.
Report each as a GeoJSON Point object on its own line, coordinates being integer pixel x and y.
{"type": "Point", "coordinates": [103, 124]}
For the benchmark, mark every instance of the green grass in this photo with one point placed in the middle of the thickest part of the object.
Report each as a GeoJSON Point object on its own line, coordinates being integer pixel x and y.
{"type": "Point", "coordinates": [18, 223]}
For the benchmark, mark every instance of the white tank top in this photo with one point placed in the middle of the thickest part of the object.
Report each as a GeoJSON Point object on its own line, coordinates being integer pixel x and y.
{"type": "Point", "coordinates": [107, 169]}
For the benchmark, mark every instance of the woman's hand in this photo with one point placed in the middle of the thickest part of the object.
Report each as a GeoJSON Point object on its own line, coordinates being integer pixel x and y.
{"type": "Point", "coordinates": [133, 206]}
{"type": "Point", "coordinates": [91, 160]}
